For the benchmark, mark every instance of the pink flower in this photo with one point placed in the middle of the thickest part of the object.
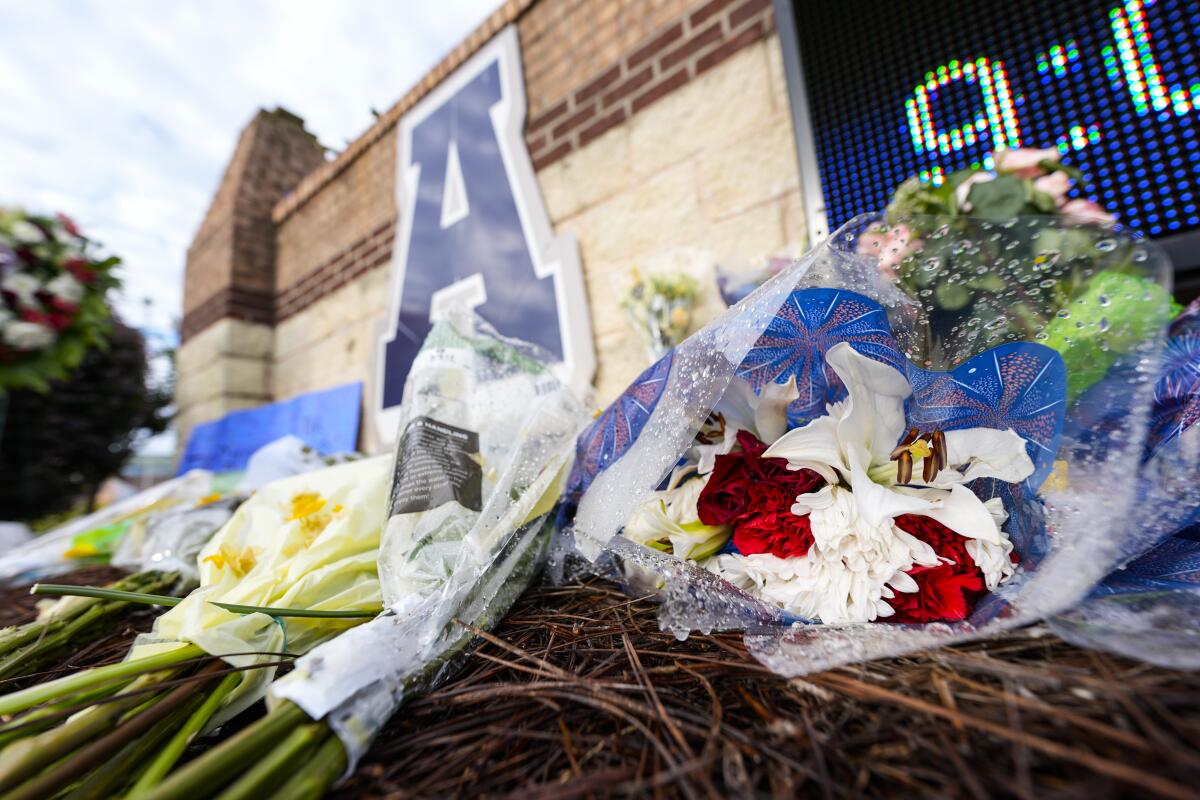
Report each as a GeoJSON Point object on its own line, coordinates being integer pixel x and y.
{"type": "Point", "coordinates": [1087, 211]}
{"type": "Point", "coordinates": [1056, 184]}
{"type": "Point", "coordinates": [1024, 162]}
{"type": "Point", "coordinates": [889, 247]}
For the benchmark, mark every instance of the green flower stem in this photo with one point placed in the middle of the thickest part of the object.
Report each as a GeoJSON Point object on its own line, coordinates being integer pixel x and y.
{"type": "Point", "coordinates": [92, 755]}
{"type": "Point", "coordinates": [109, 780]}
{"type": "Point", "coordinates": [23, 758]}
{"type": "Point", "coordinates": [24, 647]}
{"type": "Point", "coordinates": [171, 752]}
{"type": "Point", "coordinates": [92, 678]}
{"type": "Point", "coordinates": [205, 775]}
{"type": "Point", "coordinates": [28, 658]}
{"type": "Point", "coordinates": [47, 717]}
{"type": "Point", "coordinates": [276, 765]}
{"type": "Point", "coordinates": [317, 774]}
{"type": "Point", "coordinates": [299, 612]}
{"type": "Point", "coordinates": [60, 589]}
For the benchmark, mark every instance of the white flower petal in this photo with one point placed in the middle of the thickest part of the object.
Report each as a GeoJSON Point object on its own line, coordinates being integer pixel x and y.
{"type": "Point", "coordinates": [875, 406]}
{"type": "Point", "coordinates": [961, 510]}
{"type": "Point", "coordinates": [813, 444]}
{"type": "Point", "coordinates": [876, 502]}
{"type": "Point", "coordinates": [903, 582]}
{"type": "Point", "coordinates": [989, 453]}
{"type": "Point", "coordinates": [770, 413]}
{"type": "Point", "coordinates": [737, 405]}
{"type": "Point", "coordinates": [813, 501]}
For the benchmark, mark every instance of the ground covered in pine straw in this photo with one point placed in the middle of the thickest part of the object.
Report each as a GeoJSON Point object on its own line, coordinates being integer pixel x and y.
{"type": "Point", "coordinates": [578, 694]}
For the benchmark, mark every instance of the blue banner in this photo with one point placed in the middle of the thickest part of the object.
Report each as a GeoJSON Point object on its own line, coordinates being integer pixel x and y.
{"type": "Point", "coordinates": [327, 421]}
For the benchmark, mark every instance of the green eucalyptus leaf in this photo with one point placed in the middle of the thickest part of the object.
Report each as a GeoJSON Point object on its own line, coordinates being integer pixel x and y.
{"type": "Point", "coordinates": [997, 200]}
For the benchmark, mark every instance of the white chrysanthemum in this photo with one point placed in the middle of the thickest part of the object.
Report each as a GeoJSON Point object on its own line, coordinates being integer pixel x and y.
{"type": "Point", "coordinates": [24, 286]}
{"type": "Point", "coordinates": [852, 569]}
{"type": "Point", "coordinates": [66, 288]}
{"type": "Point", "coordinates": [28, 335]}
{"type": "Point", "coordinates": [26, 232]}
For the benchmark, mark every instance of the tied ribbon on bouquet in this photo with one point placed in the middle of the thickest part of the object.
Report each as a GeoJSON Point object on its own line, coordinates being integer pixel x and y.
{"type": "Point", "coordinates": [791, 463]}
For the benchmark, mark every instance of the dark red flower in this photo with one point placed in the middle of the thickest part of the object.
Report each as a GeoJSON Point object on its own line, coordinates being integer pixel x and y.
{"type": "Point", "coordinates": [755, 495]}
{"type": "Point", "coordinates": [68, 224]}
{"type": "Point", "coordinates": [773, 528]}
{"type": "Point", "coordinates": [80, 268]}
{"type": "Point", "coordinates": [947, 592]}
{"type": "Point", "coordinates": [33, 315]}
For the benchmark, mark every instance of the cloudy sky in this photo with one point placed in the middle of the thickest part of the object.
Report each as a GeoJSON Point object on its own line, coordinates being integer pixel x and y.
{"type": "Point", "coordinates": [123, 113]}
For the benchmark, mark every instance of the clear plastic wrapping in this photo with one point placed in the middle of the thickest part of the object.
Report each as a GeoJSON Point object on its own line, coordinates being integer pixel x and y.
{"type": "Point", "coordinates": [1039, 326]}
{"type": "Point", "coordinates": [485, 438]}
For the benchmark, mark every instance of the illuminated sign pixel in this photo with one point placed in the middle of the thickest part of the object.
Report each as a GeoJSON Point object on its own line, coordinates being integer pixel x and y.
{"type": "Point", "coordinates": [931, 86]}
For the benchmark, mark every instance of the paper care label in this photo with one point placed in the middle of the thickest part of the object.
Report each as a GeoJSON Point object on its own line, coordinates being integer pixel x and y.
{"type": "Point", "coordinates": [436, 463]}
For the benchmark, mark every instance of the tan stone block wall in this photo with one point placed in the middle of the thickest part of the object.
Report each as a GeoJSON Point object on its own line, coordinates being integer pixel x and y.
{"type": "Point", "coordinates": [707, 175]}
{"type": "Point", "coordinates": [225, 367]}
{"type": "Point", "coordinates": [701, 171]}
{"type": "Point", "coordinates": [333, 341]}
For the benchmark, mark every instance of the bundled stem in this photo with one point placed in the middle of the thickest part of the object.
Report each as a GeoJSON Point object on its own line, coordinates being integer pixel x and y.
{"type": "Point", "coordinates": [25, 648]}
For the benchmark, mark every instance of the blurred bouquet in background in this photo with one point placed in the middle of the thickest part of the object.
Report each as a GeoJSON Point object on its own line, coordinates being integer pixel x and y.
{"type": "Point", "coordinates": [959, 248]}
{"type": "Point", "coordinates": [735, 285]}
{"type": "Point", "coordinates": [52, 298]}
{"type": "Point", "coordinates": [660, 308]}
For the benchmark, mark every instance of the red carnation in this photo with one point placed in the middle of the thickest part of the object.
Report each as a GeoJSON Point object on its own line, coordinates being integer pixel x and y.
{"type": "Point", "coordinates": [80, 268]}
{"type": "Point", "coordinates": [755, 495]}
{"type": "Point", "coordinates": [68, 224]}
{"type": "Point", "coordinates": [773, 528]}
{"type": "Point", "coordinates": [60, 305]}
{"type": "Point", "coordinates": [33, 315]}
{"type": "Point", "coordinates": [947, 592]}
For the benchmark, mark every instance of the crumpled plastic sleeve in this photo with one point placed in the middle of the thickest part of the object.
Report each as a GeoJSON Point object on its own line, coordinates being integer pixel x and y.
{"type": "Point", "coordinates": [311, 542]}
{"type": "Point", "coordinates": [492, 434]}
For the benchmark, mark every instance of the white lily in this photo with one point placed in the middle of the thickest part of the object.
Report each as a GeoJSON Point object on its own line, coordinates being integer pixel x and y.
{"type": "Point", "coordinates": [851, 447]}
{"type": "Point", "coordinates": [741, 409]}
{"type": "Point", "coordinates": [668, 521]}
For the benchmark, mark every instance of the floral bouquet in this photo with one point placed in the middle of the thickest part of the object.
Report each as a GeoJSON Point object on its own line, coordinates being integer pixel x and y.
{"type": "Point", "coordinates": [52, 298]}
{"type": "Point", "coordinates": [486, 432]}
{"type": "Point", "coordinates": [735, 286]}
{"type": "Point", "coordinates": [660, 308]}
{"type": "Point", "coordinates": [959, 247]}
{"type": "Point", "coordinates": [846, 473]}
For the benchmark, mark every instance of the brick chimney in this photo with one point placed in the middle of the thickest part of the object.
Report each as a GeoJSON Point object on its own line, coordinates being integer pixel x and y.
{"type": "Point", "coordinates": [229, 281]}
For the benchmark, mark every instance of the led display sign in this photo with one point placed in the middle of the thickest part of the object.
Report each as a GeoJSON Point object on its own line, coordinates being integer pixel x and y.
{"type": "Point", "coordinates": [926, 87]}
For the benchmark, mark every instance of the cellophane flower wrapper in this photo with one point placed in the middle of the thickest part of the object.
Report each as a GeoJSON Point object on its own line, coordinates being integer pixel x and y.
{"type": "Point", "coordinates": [171, 540]}
{"type": "Point", "coordinates": [1149, 608]}
{"type": "Point", "coordinates": [1033, 325]}
{"type": "Point", "coordinates": [58, 551]}
{"type": "Point", "coordinates": [486, 438]}
{"type": "Point", "coordinates": [305, 542]}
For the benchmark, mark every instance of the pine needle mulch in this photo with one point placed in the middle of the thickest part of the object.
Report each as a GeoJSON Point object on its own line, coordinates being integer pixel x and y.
{"type": "Point", "coordinates": [578, 694]}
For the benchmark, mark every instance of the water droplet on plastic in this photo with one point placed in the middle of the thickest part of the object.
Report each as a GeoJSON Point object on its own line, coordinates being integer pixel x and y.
{"type": "Point", "coordinates": [1104, 324]}
{"type": "Point", "coordinates": [1103, 300]}
{"type": "Point", "coordinates": [1063, 314]}
{"type": "Point", "coordinates": [1106, 245]}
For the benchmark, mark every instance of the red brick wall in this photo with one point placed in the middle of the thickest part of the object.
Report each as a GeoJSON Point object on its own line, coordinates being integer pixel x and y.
{"type": "Point", "coordinates": [230, 267]}
{"type": "Point", "coordinates": [331, 232]}
{"type": "Point", "coordinates": [667, 59]}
